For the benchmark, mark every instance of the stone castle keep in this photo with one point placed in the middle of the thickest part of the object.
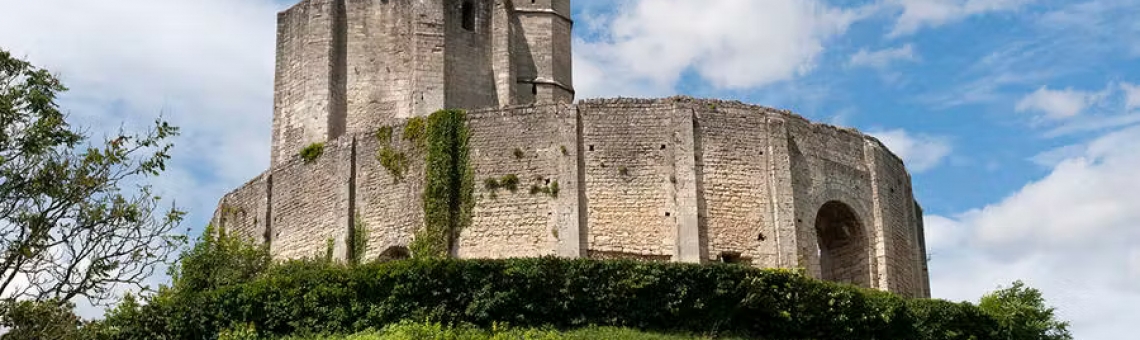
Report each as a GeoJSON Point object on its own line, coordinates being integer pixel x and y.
{"type": "Point", "coordinates": [673, 179]}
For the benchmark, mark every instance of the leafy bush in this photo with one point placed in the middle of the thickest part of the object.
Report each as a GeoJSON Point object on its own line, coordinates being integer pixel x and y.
{"type": "Point", "coordinates": [218, 259]}
{"type": "Point", "coordinates": [313, 297]}
{"type": "Point", "coordinates": [39, 320]}
{"type": "Point", "coordinates": [416, 331]}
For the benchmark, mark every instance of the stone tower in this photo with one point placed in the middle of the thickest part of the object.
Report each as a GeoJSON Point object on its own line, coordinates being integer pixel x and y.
{"type": "Point", "coordinates": [350, 66]}
{"type": "Point", "coordinates": [672, 179]}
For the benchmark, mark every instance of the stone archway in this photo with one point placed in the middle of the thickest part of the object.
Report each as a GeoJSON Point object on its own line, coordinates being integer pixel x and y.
{"type": "Point", "coordinates": [842, 241]}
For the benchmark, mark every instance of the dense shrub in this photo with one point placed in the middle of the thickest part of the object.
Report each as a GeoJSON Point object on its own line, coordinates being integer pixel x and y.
{"type": "Point", "coordinates": [311, 297]}
{"type": "Point", "coordinates": [419, 331]}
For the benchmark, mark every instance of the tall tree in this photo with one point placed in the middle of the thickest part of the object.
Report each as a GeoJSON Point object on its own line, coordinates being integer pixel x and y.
{"type": "Point", "coordinates": [77, 218]}
{"type": "Point", "coordinates": [1022, 312]}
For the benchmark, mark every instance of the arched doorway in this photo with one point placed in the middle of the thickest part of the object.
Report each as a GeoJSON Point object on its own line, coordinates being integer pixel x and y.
{"type": "Point", "coordinates": [842, 241]}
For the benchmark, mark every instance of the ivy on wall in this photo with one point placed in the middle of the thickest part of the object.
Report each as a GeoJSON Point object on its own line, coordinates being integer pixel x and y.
{"type": "Point", "coordinates": [448, 184]}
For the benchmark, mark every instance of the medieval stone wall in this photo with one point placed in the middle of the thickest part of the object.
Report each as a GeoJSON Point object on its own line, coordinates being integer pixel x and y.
{"type": "Point", "coordinates": [311, 203]}
{"type": "Point", "coordinates": [245, 211]}
{"type": "Point", "coordinates": [676, 179]}
{"type": "Point", "coordinates": [469, 73]}
{"type": "Point", "coordinates": [389, 204]}
{"type": "Point", "coordinates": [536, 145]}
{"type": "Point", "coordinates": [309, 73]}
{"type": "Point", "coordinates": [379, 52]}
{"type": "Point", "coordinates": [628, 164]}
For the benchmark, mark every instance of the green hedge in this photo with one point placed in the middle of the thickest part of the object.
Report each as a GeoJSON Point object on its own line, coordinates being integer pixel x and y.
{"type": "Point", "coordinates": [424, 331]}
{"type": "Point", "coordinates": [321, 298]}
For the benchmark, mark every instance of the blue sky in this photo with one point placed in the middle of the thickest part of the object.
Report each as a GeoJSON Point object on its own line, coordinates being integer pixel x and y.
{"type": "Point", "coordinates": [1020, 119]}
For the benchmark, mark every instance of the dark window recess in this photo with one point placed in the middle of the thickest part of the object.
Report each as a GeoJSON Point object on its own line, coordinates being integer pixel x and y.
{"type": "Point", "coordinates": [468, 16]}
{"type": "Point", "coordinates": [534, 89]}
{"type": "Point", "coordinates": [662, 146]}
{"type": "Point", "coordinates": [667, 214]}
{"type": "Point", "coordinates": [730, 257]}
{"type": "Point", "coordinates": [591, 148]}
{"type": "Point", "coordinates": [761, 238]}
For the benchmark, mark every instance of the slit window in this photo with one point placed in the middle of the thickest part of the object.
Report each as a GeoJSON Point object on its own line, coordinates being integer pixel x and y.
{"type": "Point", "coordinates": [468, 16]}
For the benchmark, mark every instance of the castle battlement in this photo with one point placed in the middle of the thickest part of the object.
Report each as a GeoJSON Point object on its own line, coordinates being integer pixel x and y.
{"type": "Point", "coordinates": [672, 179]}
{"type": "Point", "coordinates": [345, 66]}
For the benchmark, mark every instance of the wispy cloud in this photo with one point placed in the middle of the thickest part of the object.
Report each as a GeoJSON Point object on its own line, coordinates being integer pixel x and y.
{"type": "Point", "coordinates": [921, 152]}
{"type": "Point", "coordinates": [917, 14]}
{"type": "Point", "coordinates": [882, 58]}
{"type": "Point", "coordinates": [1058, 104]}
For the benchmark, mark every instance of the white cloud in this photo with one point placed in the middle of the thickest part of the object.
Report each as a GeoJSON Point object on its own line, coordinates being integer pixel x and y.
{"type": "Point", "coordinates": [732, 44]}
{"type": "Point", "coordinates": [1057, 104]}
{"type": "Point", "coordinates": [917, 14]}
{"type": "Point", "coordinates": [1058, 110]}
{"type": "Point", "coordinates": [1074, 234]}
{"type": "Point", "coordinates": [882, 58]}
{"type": "Point", "coordinates": [205, 65]}
{"type": "Point", "coordinates": [1131, 95]}
{"type": "Point", "coordinates": [920, 152]}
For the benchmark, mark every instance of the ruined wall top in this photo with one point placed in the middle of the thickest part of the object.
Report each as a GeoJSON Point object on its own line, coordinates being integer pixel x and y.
{"type": "Point", "coordinates": [349, 66]}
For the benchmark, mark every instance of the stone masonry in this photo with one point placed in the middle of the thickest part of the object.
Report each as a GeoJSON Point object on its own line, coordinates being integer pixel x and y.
{"type": "Point", "coordinates": [672, 179]}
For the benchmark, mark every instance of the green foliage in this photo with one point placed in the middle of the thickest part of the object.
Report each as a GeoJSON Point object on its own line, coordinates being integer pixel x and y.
{"type": "Point", "coordinates": [1022, 313]}
{"type": "Point", "coordinates": [491, 184]}
{"type": "Point", "coordinates": [244, 331]}
{"type": "Point", "coordinates": [30, 320]}
{"type": "Point", "coordinates": [310, 153]}
{"type": "Point", "coordinates": [219, 259]}
{"type": "Point", "coordinates": [77, 216]}
{"type": "Point", "coordinates": [395, 161]}
{"type": "Point", "coordinates": [415, 131]}
{"type": "Point", "coordinates": [418, 330]}
{"type": "Point", "coordinates": [449, 184]}
{"type": "Point", "coordinates": [550, 189]}
{"type": "Point", "coordinates": [519, 154]}
{"type": "Point", "coordinates": [509, 182]}
{"type": "Point", "coordinates": [624, 171]}
{"type": "Point", "coordinates": [563, 149]}
{"type": "Point", "coordinates": [384, 135]}
{"type": "Point", "coordinates": [359, 241]}
{"type": "Point", "coordinates": [313, 297]}
{"type": "Point", "coordinates": [330, 246]}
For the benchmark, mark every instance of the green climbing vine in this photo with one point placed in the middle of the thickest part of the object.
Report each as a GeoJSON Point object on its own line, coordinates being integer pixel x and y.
{"type": "Point", "coordinates": [395, 161]}
{"type": "Point", "coordinates": [359, 241]}
{"type": "Point", "coordinates": [448, 184]}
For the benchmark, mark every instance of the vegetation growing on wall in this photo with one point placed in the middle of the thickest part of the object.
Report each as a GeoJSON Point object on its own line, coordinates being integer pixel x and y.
{"type": "Point", "coordinates": [416, 131]}
{"type": "Point", "coordinates": [310, 153]}
{"type": "Point", "coordinates": [359, 241]}
{"type": "Point", "coordinates": [448, 184]}
{"type": "Point", "coordinates": [549, 189]}
{"type": "Point", "coordinates": [396, 162]}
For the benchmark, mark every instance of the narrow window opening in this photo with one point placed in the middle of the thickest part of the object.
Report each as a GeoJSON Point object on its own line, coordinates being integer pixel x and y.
{"type": "Point", "coordinates": [468, 16]}
{"type": "Point", "coordinates": [730, 257]}
{"type": "Point", "coordinates": [591, 148]}
{"type": "Point", "coordinates": [662, 146]}
{"type": "Point", "coordinates": [667, 214]}
{"type": "Point", "coordinates": [534, 89]}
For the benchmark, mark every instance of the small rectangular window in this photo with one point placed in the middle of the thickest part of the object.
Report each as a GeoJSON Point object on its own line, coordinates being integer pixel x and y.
{"type": "Point", "coordinates": [468, 16]}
